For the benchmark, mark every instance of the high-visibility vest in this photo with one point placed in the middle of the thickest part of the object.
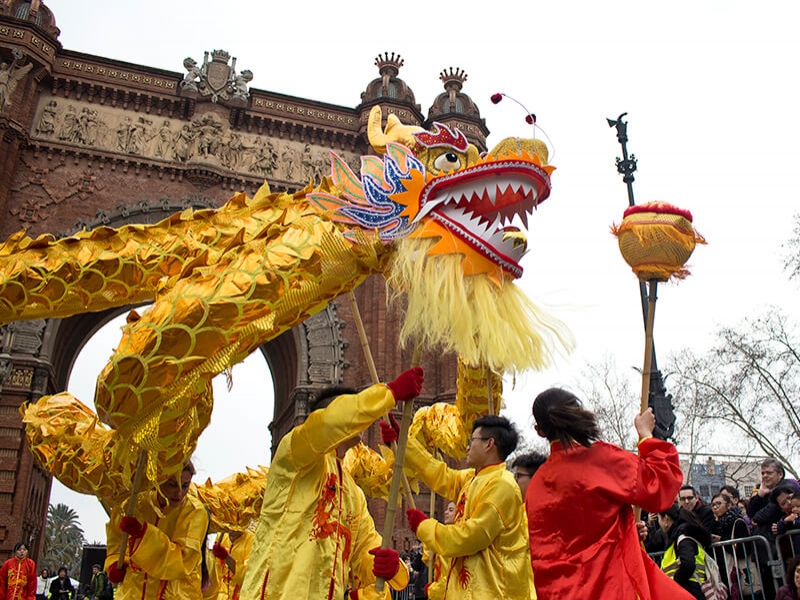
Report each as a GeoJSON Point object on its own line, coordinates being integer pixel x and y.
{"type": "Point", "coordinates": [670, 563]}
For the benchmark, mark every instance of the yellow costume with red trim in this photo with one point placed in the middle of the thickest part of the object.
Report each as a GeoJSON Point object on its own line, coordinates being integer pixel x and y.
{"type": "Point", "coordinates": [315, 532]}
{"type": "Point", "coordinates": [18, 579]}
{"type": "Point", "coordinates": [229, 583]}
{"type": "Point", "coordinates": [166, 561]}
{"type": "Point", "coordinates": [441, 569]}
{"type": "Point", "coordinates": [487, 544]}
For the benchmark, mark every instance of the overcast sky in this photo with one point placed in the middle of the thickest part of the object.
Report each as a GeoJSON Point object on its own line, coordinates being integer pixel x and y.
{"type": "Point", "coordinates": [712, 96]}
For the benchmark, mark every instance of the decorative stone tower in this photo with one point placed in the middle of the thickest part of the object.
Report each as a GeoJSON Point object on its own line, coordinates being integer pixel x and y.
{"type": "Point", "coordinates": [457, 110]}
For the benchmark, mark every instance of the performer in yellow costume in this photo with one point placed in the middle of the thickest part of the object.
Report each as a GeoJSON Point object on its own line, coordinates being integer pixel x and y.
{"type": "Point", "coordinates": [163, 560]}
{"type": "Point", "coordinates": [231, 551]}
{"type": "Point", "coordinates": [436, 588]}
{"type": "Point", "coordinates": [487, 544]}
{"type": "Point", "coordinates": [315, 536]}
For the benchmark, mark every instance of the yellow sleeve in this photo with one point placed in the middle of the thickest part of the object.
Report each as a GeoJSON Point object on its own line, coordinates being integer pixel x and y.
{"type": "Point", "coordinates": [435, 473]}
{"type": "Point", "coordinates": [168, 558]}
{"type": "Point", "coordinates": [477, 532]}
{"type": "Point", "coordinates": [241, 553]}
{"type": "Point", "coordinates": [362, 562]}
{"type": "Point", "coordinates": [346, 416]}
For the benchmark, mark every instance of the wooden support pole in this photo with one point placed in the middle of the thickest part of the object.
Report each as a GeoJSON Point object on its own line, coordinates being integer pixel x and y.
{"type": "Point", "coordinates": [137, 483]}
{"type": "Point", "coordinates": [397, 476]}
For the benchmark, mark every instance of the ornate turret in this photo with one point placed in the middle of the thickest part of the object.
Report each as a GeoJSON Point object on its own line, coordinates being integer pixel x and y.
{"type": "Point", "coordinates": [391, 92]}
{"type": "Point", "coordinates": [32, 11]}
{"type": "Point", "coordinates": [456, 109]}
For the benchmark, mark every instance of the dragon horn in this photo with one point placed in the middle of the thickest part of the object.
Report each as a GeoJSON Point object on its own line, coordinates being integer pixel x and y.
{"type": "Point", "coordinates": [395, 131]}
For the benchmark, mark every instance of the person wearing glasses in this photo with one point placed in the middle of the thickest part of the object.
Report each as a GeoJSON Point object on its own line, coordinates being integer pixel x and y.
{"type": "Point", "coordinates": [583, 535]}
{"type": "Point", "coordinates": [689, 499]}
{"type": "Point", "coordinates": [525, 467]}
{"type": "Point", "coordinates": [486, 547]}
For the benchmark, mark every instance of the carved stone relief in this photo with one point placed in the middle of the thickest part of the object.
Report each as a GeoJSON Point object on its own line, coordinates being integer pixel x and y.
{"type": "Point", "coordinates": [207, 139]}
{"type": "Point", "coordinates": [10, 75]}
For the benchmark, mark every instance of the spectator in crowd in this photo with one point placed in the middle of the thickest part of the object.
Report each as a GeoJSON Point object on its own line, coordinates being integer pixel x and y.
{"type": "Point", "coordinates": [689, 499]}
{"type": "Point", "coordinates": [792, 520]}
{"type": "Point", "coordinates": [315, 536]}
{"type": "Point", "coordinates": [18, 575]}
{"type": "Point", "coordinates": [487, 545]}
{"type": "Point", "coordinates": [656, 540]}
{"type": "Point", "coordinates": [43, 585]}
{"type": "Point", "coordinates": [688, 544]}
{"type": "Point", "coordinates": [791, 591]}
{"type": "Point", "coordinates": [165, 556]}
{"type": "Point", "coordinates": [789, 502]}
{"type": "Point", "coordinates": [525, 466]}
{"type": "Point", "coordinates": [61, 587]}
{"type": "Point", "coordinates": [584, 540]}
{"type": "Point", "coordinates": [728, 519]}
{"type": "Point", "coordinates": [764, 513]}
{"type": "Point", "coordinates": [97, 586]}
{"type": "Point", "coordinates": [732, 492]}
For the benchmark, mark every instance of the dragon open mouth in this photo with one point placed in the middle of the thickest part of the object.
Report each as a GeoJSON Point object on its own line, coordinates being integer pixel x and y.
{"type": "Point", "coordinates": [478, 203]}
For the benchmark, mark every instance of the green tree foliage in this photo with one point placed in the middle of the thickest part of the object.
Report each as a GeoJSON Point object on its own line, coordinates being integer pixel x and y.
{"type": "Point", "coordinates": [747, 382]}
{"type": "Point", "coordinates": [63, 540]}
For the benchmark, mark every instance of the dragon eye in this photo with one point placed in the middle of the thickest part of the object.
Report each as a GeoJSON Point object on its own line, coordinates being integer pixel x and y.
{"type": "Point", "coordinates": [448, 161]}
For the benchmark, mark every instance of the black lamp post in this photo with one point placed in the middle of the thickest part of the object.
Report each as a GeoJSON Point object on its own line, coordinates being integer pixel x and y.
{"type": "Point", "coordinates": [659, 400]}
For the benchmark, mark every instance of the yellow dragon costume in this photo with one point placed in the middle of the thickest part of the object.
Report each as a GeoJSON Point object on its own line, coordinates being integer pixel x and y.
{"type": "Point", "coordinates": [431, 214]}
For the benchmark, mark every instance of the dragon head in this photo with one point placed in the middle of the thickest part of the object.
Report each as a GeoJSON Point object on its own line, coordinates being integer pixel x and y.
{"type": "Point", "coordinates": [435, 185]}
{"type": "Point", "coordinates": [437, 198]}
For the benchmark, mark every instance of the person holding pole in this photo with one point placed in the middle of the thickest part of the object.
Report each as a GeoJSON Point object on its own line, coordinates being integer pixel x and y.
{"type": "Point", "coordinates": [583, 535]}
{"type": "Point", "coordinates": [487, 544]}
{"type": "Point", "coordinates": [164, 556]}
{"type": "Point", "coordinates": [315, 537]}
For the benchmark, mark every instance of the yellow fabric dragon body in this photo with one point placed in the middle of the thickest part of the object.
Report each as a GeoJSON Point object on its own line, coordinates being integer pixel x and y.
{"type": "Point", "coordinates": [430, 213]}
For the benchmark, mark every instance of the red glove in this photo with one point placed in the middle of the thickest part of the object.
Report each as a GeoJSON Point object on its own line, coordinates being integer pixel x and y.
{"type": "Point", "coordinates": [415, 517]}
{"type": "Point", "coordinates": [353, 595]}
{"type": "Point", "coordinates": [132, 527]}
{"type": "Point", "coordinates": [387, 562]}
{"type": "Point", "coordinates": [407, 385]}
{"type": "Point", "coordinates": [219, 551]}
{"type": "Point", "coordinates": [389, 431]}
{"type": "Point", "coordinates": [427, 585]}
{"type": "Point", "coordinates": [115, 574]}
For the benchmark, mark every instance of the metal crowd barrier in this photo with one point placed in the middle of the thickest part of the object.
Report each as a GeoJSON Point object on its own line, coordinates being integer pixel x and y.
{"type": "Point", "coordinates": [788, 545]}
{"type": "Point", "coordinates": [405, 594]}
{"type": "Point", "coordinates": [748, 566]}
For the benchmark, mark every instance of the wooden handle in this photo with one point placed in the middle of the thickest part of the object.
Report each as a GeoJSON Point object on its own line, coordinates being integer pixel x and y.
{"type": "Point", "coordinates": [398, 474]}
{"type": "Point", "coordinates": [137, 483]}
{"type": "Point", "coordinates": [648, 345]}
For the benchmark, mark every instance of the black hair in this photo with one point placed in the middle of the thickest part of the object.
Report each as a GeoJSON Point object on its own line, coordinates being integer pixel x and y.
{"type": "Point", "coordinates": [501, 430]}
{"type": "Point", "coordinates": [324, 395]}
{"type": "Point", "coordinates": [689, 487]}
{"type": "Point", "coordinates": [530, 461]}
{"type": "Point", "coordinates": [690, 521]}
{"type": "Point", "coordinates": [560, 416]}
{"type": "Point", "coordinates": [791, 566]}
{"type": "Point", "coordinates": [726, 499]}
{"type": "Point", "coordinates": [62, 568]}
{"type": "Point", "coordinates": [782, 488]}
{"type": "Point", "coordinates": [19, 545]}
{"type": "Point", "coordinates": [732, 490]}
